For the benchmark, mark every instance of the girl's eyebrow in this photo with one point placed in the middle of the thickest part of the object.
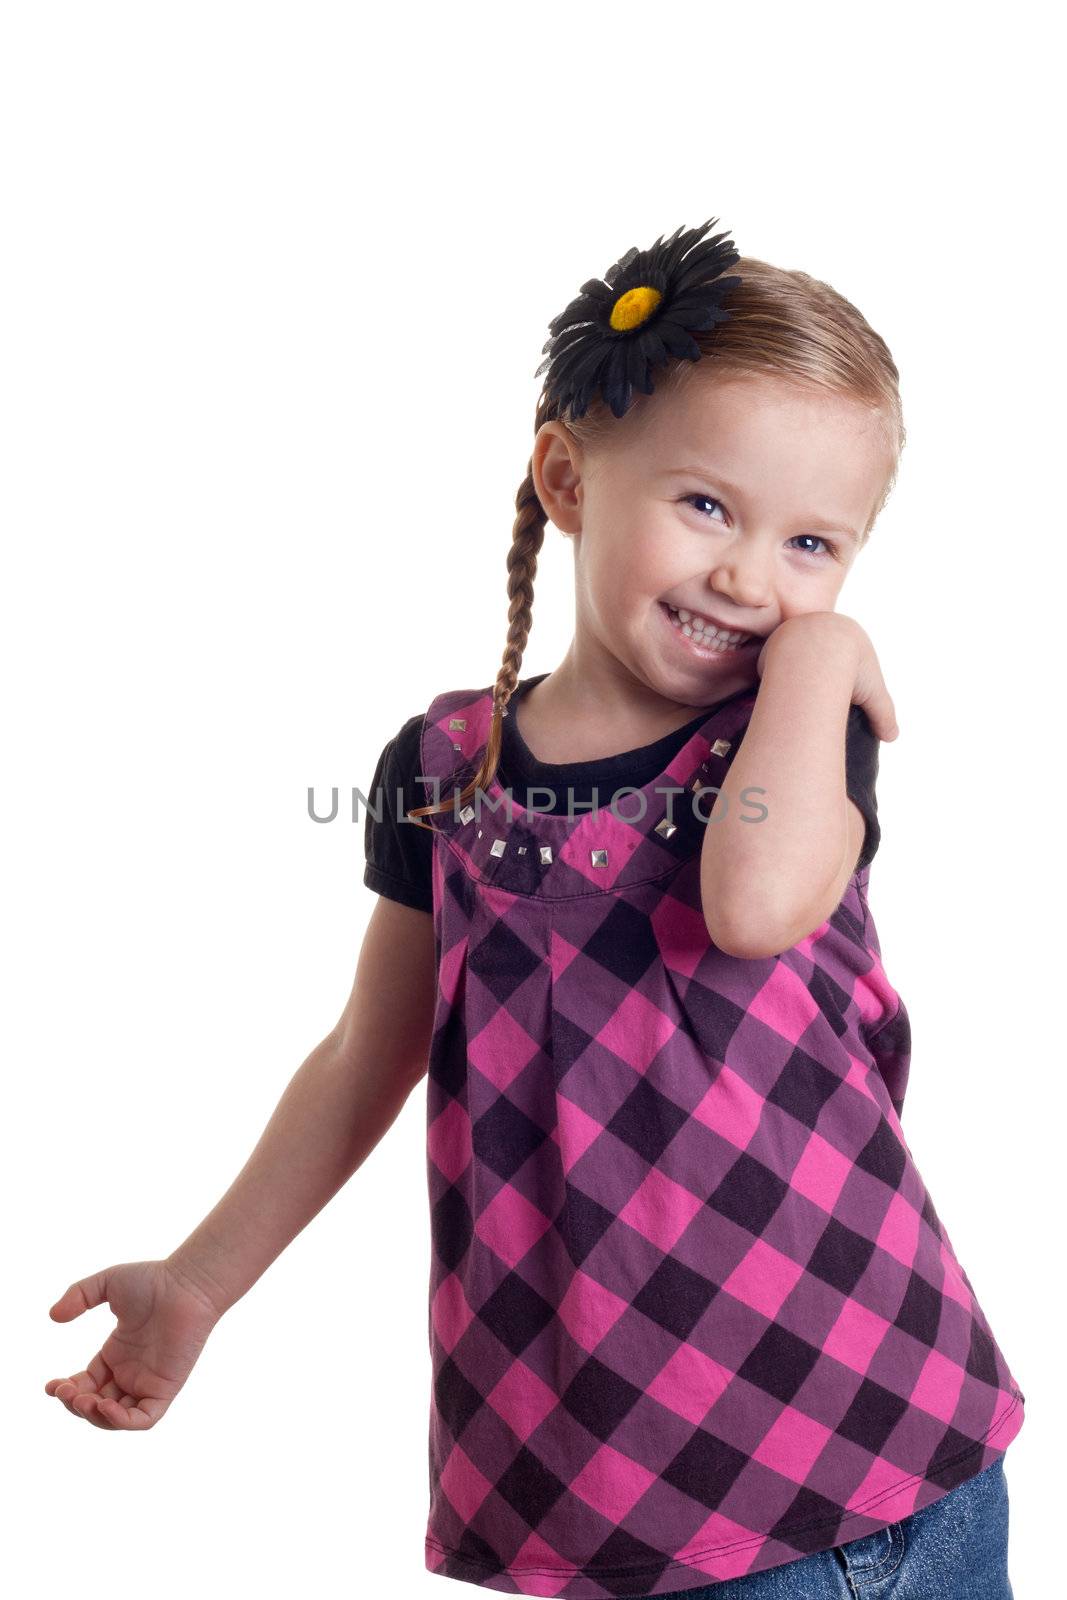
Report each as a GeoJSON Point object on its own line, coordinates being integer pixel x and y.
{"type": "Point", "coordinates": [710, 474]}
{"type": "Point", "coordinates": [703, 472]}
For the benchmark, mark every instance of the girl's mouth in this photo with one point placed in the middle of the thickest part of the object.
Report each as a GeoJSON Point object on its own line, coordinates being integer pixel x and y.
{"type": "Point", "coordinates": [706, 641]}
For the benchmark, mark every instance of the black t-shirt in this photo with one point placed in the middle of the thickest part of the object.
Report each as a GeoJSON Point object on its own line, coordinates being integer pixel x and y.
{"type": "Point", "coordinates": [399, 854]}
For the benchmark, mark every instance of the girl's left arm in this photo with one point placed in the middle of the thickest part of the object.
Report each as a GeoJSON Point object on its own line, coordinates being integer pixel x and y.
{"type": "Point", "coordinates": [767, 880]}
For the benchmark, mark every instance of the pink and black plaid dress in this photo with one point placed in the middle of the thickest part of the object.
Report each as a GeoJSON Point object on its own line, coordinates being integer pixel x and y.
{"type": "Point", "coordinates": [692, 1311]}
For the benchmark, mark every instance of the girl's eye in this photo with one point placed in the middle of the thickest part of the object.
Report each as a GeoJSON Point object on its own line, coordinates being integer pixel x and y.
{"type": "Point", "coordinates": [831, 549]}
{"type": "Point", "coordinates": [707, 498]}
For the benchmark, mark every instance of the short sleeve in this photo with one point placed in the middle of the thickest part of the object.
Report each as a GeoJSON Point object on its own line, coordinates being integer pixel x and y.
{"type": "Point", "coordinates": [399, 854]}
{"type": "Point", "coordinates": [861, 775]}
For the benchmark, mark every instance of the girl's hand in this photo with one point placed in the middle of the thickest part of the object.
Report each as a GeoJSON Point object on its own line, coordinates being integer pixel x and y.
{"type": "Point", "coordinates": [163, 1324]}
{"type": "Point", "coordinates": [831, 630]}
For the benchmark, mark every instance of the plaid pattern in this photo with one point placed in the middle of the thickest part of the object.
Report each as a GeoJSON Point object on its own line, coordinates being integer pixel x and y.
{"type": "Point", "coordinates": [692, 1311]}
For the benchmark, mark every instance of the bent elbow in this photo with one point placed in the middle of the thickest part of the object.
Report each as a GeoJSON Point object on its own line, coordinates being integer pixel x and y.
{"type": "Point", "coordinates": [749, 946]}
{"type": "Point", "coordinates": [748, 935]}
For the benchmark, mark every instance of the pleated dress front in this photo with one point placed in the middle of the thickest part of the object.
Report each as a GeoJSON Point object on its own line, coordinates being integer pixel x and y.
{"type": "Point", "coordinates": [692, 1311]}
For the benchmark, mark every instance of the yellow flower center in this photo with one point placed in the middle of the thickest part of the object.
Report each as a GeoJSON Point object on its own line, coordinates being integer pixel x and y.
{"type": "Point", "coordinates": [634, 307]}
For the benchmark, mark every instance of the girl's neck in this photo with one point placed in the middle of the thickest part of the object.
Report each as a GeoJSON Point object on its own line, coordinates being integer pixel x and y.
{"type": "Point", "coordinates": [567, 717]}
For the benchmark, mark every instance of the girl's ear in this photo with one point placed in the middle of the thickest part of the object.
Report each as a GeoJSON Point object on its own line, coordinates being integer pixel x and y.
{"type": "Point", "coordinates": [556, 468]}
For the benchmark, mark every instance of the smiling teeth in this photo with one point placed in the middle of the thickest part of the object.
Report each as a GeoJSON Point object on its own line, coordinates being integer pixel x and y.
{"type": "Point", "coordinates": [705, 632]}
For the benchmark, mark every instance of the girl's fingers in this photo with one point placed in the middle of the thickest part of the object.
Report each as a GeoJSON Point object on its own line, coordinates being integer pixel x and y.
{"type": "Point", "coordinates": [80, 1381]}
{"type": "Point", "coordinates": [65, 1395]}
{"type": "Point", "coordinates": [89, 1407]}
{"type": "Point", "coordinates": [107, 1404]}
{"type": "Point", "coordinates": [881, 713]}
{"type": "Point", "coordinates": [130, 1415]}
{"type": "Point", "coordinates": [100, 1401]}
{"type": "Point", "coordinates": [111, 1413]}
{"type": "Point", "coordinates": [123, 1415]}
{"type": "Point", "coordinates": [105, 1407]}
{"type": "Point", "coordinates": [82, 1395]}
{"type": "Point", "coordinates": [67, 1390]}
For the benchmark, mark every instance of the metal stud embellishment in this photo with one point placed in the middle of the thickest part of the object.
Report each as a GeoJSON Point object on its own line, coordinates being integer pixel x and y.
{"type": "Point", "coordinates": [720, 747]}
{"type": "Point", "coordinates": [467, 814]}
{"type": "Point", "coordinates": [546, 855]}
{"type": "Point", "coordinates": [457, 722]}
{"type": "Point", "coordinates": [457, 747]}
{"type": "Point", "coordinates": [497, 847]}
{"type": "Point", "coordinates": [599, 858]}
{"type": "Point", "coordinates": [522, 849]}
{"type": "Point", "coordinates": [666, 828]}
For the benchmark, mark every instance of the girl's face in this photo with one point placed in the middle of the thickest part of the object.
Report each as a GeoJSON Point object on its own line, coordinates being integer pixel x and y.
{"type": "Point", "coordinates": [743, 501]}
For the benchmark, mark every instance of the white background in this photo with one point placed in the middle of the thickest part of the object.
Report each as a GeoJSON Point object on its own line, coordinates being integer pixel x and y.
{"type": "Point", "coordinates": [276, 280]}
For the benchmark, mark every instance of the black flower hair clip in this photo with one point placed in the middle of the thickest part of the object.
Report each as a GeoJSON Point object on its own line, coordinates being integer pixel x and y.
{"type": "Point", "coordinates": [616, 331]}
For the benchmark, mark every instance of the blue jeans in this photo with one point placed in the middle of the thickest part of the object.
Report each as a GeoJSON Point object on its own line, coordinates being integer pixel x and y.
{"type": "Point", "coordinates": [956, 1548]}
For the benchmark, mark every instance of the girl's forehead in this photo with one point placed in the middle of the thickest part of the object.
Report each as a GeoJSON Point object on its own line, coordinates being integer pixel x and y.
{"type": "Point", "coordinates": [753, 405]}
{"type": "Point", "coordinates": [737, 427]}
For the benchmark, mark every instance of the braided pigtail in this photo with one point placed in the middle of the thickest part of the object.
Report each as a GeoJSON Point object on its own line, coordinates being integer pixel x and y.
{"type": "Point", "coordinates": [527, 537]}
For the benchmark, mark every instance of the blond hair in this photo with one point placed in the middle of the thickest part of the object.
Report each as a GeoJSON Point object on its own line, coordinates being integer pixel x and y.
{"type": "Point", "coordinates": [784, 324]}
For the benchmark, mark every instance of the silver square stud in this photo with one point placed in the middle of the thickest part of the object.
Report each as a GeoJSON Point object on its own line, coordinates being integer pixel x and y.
{"type": "Point", "coordinates": [546, 855]}
{"type": "Point", "coordinates": [666, 828]}
{"type": "Point", "coordinates": [457, 722]}
{"type": "Point", "coordinates": [599, 858]}
{"type": "Point", "coordinates": [522, 849]}
{"type": "Point", "coordinates": [457, 747]}
{"type": "Point", "coordinates": [720, 747]}
{"type": "Point", "coordinates": [497, 847]}
{"type": "Point", "coordinates": [696, 783]}
{"type": "Point", "coordinates": [467, 815]}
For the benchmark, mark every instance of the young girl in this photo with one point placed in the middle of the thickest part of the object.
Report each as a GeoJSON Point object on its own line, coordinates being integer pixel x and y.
{"type": "Point", "coordinates": [695, 1324]}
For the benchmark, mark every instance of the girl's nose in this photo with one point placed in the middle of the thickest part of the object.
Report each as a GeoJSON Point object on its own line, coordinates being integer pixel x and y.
{"type": "Point", "coordinates": [744, 571]}
{"type": "Point", "coordinates": [742, 583]}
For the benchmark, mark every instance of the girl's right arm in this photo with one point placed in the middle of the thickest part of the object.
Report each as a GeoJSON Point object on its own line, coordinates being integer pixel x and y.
{"type": "Point", "coordinates": [335, 1109]}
